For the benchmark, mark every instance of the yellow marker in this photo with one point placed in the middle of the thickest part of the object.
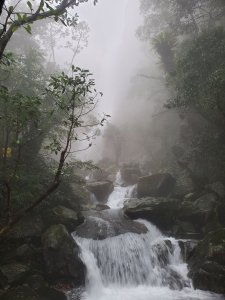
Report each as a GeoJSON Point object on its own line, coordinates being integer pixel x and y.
{"type": "Point", "coordinates": [8, 152]}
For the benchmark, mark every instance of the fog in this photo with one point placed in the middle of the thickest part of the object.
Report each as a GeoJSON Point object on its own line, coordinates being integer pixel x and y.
{"type": "Point", "coordinates": [118, 59]}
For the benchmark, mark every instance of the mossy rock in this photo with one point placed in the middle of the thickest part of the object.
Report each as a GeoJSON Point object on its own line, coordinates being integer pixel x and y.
{"type": "Point", "coordinates": [27, 293]}
{"type": "Point", "coordinates": [63, 215]}
{"type": "Point", "coordinates": [207, 264]}
{"type": "Point", "coordinates": [61, 256]}
{"type": "Point", "coordinates": [160, 211]}
{"type": "Point", "coordinates": [14, 272]}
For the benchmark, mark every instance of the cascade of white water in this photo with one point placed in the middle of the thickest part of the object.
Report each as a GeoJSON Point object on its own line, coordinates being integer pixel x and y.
{"type": "Point", "coordinates": [120, 193]}
{"type": "Point", "coordinates": [137, 267]}
{"type": "Point", "coordinates": [131, 266]}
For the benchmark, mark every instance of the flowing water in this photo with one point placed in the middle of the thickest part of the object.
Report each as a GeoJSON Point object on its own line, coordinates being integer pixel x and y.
{"type": "Point", "coordinates": [131, 266]}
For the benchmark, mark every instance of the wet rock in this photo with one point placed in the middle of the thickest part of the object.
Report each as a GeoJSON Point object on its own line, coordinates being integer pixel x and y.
{"type": "Point", "coordinates": [66, 216]}
{"type": "Point", "coordinates": [61, 256]}
{"type": "Point", "coordinates": [101, 189]}
{"type": "Point", "coordinates": [104, 224]}
{"type": "Point", "coordinates": [130, 175]}
{"type": "Point", "coordinates": [162, 250]}
{"type": "Point", "coordinates": [157, 185]}
{"type": "Point", "coordinates": [175, 281]}
{"type": "Point", "coordinates": [97, 207]}
{"type": "Point", "coordinates": [207, 264]}
{"type": "Point", "coordinates": [187, 247]}
{"type": "Point", "coordinates": [160, 211]}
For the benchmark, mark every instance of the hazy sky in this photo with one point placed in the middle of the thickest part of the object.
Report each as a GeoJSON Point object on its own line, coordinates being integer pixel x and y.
{"type": "Point", "coordinates": [113, 52]}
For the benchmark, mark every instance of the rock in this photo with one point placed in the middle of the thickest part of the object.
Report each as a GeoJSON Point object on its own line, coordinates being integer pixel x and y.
{"type": "Point", "coordinates": [187, 247]}
{"type": "Point", "coordinates": [98, 175]}
{"type": "Point", "coordinates": [104, 224]}
{"type": "Point", "coordinates": [198, 213]}
{"type": "Point", "coordinates": [130, 175]}
{"type": "Point", "coordinates": [20, 293]}
{"type": "Point", "coordinates": [190, 197]}
{"type": "Point", "coordinates": [218, 188]}
{"type": "Point", "coordinates": [61, 256]}
{"type": "Point", "coordinates": [66, 216]}
{"type": "Point", "coordinates": [183, 186]}
{"type": "Point", "coordinates": [157, 185]}
{"type": "Point", "coordinates": [221, 214]}
{"type": "Point", "coordinates": [27, 293]}
{"type": "Point", "coordinates": [160, 211]}
{"type": "Point", "coordinates": [97, 207]}
{"type": "Point", "coordinates": [207, 264]}
{"type": "Point", "coordinates": [25, 251]}
{"type": "Point", "coordinates": [14, 272]}
{"type": "Point", "coordinates": [185, 230]}
{"type": "Point", "coordinates": [101, 189]}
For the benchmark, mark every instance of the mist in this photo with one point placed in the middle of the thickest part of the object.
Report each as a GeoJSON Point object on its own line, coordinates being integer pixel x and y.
{"type": "Point", "coordinates": [112, 150]}
{"type": "Point", "coordinates": [118, 60]}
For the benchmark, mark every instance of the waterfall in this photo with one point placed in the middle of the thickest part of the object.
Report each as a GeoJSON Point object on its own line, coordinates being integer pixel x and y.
{"type": "Point", "coordinates": [132, 266]}
{"type": "Point", "coordinates": [137, 267]}
{"type": "Point", "coordinates": [120, 193]}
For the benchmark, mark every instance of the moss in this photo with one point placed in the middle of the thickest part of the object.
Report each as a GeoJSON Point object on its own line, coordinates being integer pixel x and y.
{"type": "Point", "coordinates": [217, 237]}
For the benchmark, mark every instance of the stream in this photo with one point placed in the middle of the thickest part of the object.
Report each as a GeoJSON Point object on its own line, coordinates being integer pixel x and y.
{"type": "Point", "coordinates": [125, 265]}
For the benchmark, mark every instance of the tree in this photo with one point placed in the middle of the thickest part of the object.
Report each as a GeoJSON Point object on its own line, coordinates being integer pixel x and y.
{"type": "Point", "coordinates": [178, 16]}
{"type": "Point", "coordinates": [199, 75]}
{"type": "Point", "coordinates": [15, 16]}
{"type": "Point", "coordinates": [73, 98]}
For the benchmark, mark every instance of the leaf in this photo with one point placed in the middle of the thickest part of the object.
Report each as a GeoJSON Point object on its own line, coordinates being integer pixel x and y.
{"type": "Point", "coordinates": [28, 28]}
{"type": "Point", "coordinates": [30, 5]}
{"type": "Point", "coordinates": [15, 28]}
{"type": "Point", "coordinates": [11, 8]}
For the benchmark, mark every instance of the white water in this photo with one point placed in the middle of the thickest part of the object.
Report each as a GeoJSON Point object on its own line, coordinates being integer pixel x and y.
{"type": "Point", "coordinates": [134, 266]}
{"type": "Point", "coordinates": [120, 193]}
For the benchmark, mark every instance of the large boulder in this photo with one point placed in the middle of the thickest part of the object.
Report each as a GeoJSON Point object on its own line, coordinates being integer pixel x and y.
{"type": "Point", "coordinates": [157, 185]}
{"type": "Point", "coordinates": [101, 189]}
{"type": "Point", "coordinates": [199, 212]}
{"type": "Point", "coordinates": [100, 225]}
{"type": "Point", "coordinates": [160, 211]}
{"type": "Point", "coordinates": [130, 175]}
{"type": "Point", "coordinates": [207, 264]}
{"type": "Point", "coordinates": [61, 257]}
{"type": "Point", "coordinates": [66, 216]}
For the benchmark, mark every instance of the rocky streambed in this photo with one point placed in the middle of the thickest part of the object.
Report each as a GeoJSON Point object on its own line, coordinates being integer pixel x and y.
{"type": "Point", "coordinates": [40, 260]}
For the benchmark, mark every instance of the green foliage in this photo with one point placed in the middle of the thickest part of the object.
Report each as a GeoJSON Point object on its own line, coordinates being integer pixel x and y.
{"type": "Point", "coordinates": [178, 16]}
{"type": "Point", "coordinates": [164, 45]}
{"type": "Point", "coordinates": [199, 75]}
{"type": "Point", "coordinates": [56, 119]}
